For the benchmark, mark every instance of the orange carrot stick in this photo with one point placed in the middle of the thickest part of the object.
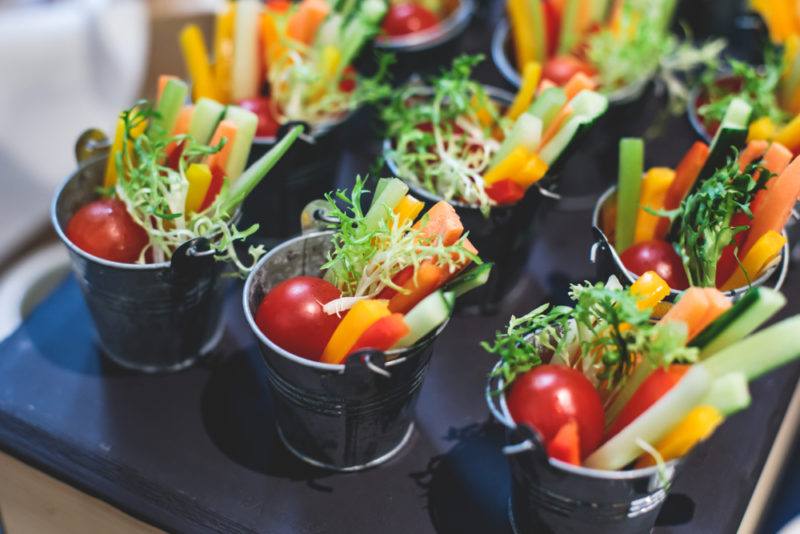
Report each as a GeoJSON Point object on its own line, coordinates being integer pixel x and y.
{"type": "Point", "coordinates": [225, 129]}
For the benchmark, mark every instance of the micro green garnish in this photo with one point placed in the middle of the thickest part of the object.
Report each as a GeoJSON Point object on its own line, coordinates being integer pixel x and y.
{"type": "Point", "coordinates": [702, 223]}
{"type": "Point", "coordinates": [639, 45]}
{"type": "Point", "coordinates": [759, 88]}
{"type": "Point", "coordinates": [366, 257]}
{"type": "Point", "coordinates": [155, 195]}
{"type": "Point", "coordinates": [438, 139]}
{"type": "Point", "coordinates": [605, 328]}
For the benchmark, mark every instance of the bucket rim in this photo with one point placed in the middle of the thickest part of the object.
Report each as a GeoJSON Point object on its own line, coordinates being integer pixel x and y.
{"type": "Point", "coordinates": [320, 130]}
{"type": "Point", "coordinates": [501, 60]}
{"type": "Point", "coordinates": [736, 292]}
{"type": "Point", "coordinates": [445, 31]}
{"type": "Point", "coordinates": [396, 354]}
{"type": "Point", "coordinates": [502, 415]}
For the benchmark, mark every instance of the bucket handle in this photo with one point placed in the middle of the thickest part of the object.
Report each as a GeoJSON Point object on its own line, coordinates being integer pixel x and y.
{"type": "Point", "coordinates": [91, 144]}
{"type": "Point", "coordinates": [315, 217]}
{"type": "Point", "coordinates": [372, 360]}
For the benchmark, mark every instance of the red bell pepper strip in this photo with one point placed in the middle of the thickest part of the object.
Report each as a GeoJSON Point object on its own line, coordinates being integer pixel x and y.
{"type": "Point", "coordinates": [505, 191]}
{"type": "Point", "coordinates": [217, 179]}
{"type": "Point", "coordinates": [383, 334]}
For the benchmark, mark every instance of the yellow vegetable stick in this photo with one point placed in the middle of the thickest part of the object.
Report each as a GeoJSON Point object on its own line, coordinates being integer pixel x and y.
{"type": "Point", "coordinates": [408, 209]}
{"type": "Point", "coordinates": [533, 171]}
{"type": "Point", "coordinates": [651, 289]}
{"type": "Point", "coordinates": [508, 167]}
{"type": "Point", "coordinates": [360, 317]}
{"type": "Point", "coordinates": [696, 426]}
{"type": "Point", "coordinates": [223, 51]}
{"type": "Point", "coordinates": [531, 73]}
{"type": "Point", "coordinates": [199, 177]}
{"type": "Point", "coordinates": [762, 128]}
{"type": "Point", "coordinates": [655, 184]}
{"type": "Point", "coordinates": [274, 48]}
{"type": "Point", "coordinates": [789, 135]}
{"type": "Point", "coordinates": [110, 177]}
{"type": "Point", "coordinates": [521, 20]}
{"type": "Point", "coordinates": [760, 255]}
{"type": "Point", "coordinates": [196, 57]}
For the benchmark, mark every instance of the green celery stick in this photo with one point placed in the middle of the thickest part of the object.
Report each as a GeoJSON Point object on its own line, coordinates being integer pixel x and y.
{"type": "Point", "coordinates": [631, 169]}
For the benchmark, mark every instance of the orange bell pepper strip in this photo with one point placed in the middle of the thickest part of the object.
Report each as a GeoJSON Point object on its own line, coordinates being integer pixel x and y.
{"type": "Point", "coordinates": [650, 288]}
{"type": "Point", "coordinates": [383, 334]}
{"type": "Point", "coordinates": [508, 167]}
{"type": "Point", "coordinates": [361, 316]}
{"type": "Point", "coordinates": [698, 424]}
{"type": "Point", "coordinates": [761, 254]}
{"type": "Point", "coordinates": [428, 278]}
{"type": "Point", "coordinates": [408, 209]}
{"type": "Point", "coordinates": [655, 185]}
{"type": "Point", "coordinates": [685, 175]}
{"type": "Point", "coordinates": [534, 170]}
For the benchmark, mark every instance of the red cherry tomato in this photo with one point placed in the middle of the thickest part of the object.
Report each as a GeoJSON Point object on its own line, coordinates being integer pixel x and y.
{"type": "Point", "coordinates": [653, 388]}
{"type": "Point", "coordinates": [262, 107]}
{"type": "Point", "coordinates": [105, 229]}
{"type": "Point", "coordinates": [560, 69]}
{"type": "Point", "coordinates": [550, 396]}
{"type": "Point", "coordinates": [408, 17]}
{"type": "Point", "coordinates": [291, 315]}
{"type": "Point", "coordinates": [659, 256]}
{"type": "Point", "coordinates": [505, 192]}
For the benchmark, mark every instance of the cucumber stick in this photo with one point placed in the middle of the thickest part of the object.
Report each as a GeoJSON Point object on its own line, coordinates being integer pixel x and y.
{"type": "Point", "coordinates": [168, 107]}
{"type": "Point", "coordinates": [246, 125]}
{"type": "Point", "coordinates": [547, 105]}
{"type": "Point", "coordinates": [570, 34]}
{"type": "Point", "coordinates": [473, 278]}
{"type": "Point", "coordinates": [527, 132]}
{"type": "Point", "coordinates": [759, 353]}
{"type": "Point", "coordinates": [655, 422]}
{"type": "Point", "coordinates": [242, 187]}
{"type": "Point", "coordinates": [244, 73]}
{"type": "Point", "coordinates": [206, 116]}
{"type": "Point", "coordinates": [587, 106]}
{"type": "Point", "coordinates": [427, 316]}
{"type": "Point", "coordinates": [742, 319]}
{"type": "Point", "coordinates": [388, 193]}
{"type": "Point", "coordinates": [728, 394]}
{"type": "Point", "coordinates": [732, 133]}
{"type": "Point", "coordinates": [631, 169]}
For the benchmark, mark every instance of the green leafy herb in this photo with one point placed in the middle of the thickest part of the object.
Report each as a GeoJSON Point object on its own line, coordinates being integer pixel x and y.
{"type": "Point", "coordinates": [759, 88]}
{"type": "Point", "coordinates": [366, 257]}
{"type": "Point", "coordinates": [606, 330]}
{"type": "Point", "coordinates": [702, 223]}
{"type": "Point", "coordinates": [155, 195]}
{"type": "Point", "coordinates": [438, 138]}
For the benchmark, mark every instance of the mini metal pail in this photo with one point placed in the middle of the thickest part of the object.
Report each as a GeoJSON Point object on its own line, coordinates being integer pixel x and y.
{"type": "Point", "coordinates": [607, 260]}
{"type": "Point", "coordinates": [149, 317]}
{"type": "Point", "coordinates": [549, 496]}
{"type": "Point", "coordinates": [344, 417]}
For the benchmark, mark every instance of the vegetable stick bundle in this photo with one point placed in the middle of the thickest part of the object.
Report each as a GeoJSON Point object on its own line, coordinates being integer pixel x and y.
{"type": "Point", "coordinates": [717, 219]}
{"type": "Point", "coordinates": [608, 385]}
{"type": "Point", "coordinates": [290, 60]}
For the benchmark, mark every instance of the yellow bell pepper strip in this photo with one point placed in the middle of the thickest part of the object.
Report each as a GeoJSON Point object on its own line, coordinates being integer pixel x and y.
{"type": "Point", "coordinates": [509, 167]}
{"type": "Point", "coordinates": [698, 424]}
{"type": "Point", "coordinates": [778, 15]}
{"type": "Point", "coordinates": [485, 111]}
{"type": "Point", "coordinates": [790, 76]}
{"type": "Point", "coordinates": [330, 69]}
{"type": "Point", "coordinates": [361, 316]}
{"type": "Point", "coordinates": [110, 177]}
{"type": "Point", "coordinates": [195, 55]}
{"type": "Point", "coordinates": [533, 171]}
{"type": "Point", "coordinates": [223, 51]}
{"type": "Point", "coordinates": [760, 255]}
{"type": "Point", "coordinates": [199, 177]}
{"type": "Point", "coordinates": [531, 74]}
{"type": "Point", "coordinates": [651, 289]}
{"type": "Point", "coordinates": [521, 21]}
{"type": "Point", "coordinates": [407, 210]}
{"type": "Point", "coordinates": [655, 185]}
{"type": "Point", "coordinates": [761, 129]}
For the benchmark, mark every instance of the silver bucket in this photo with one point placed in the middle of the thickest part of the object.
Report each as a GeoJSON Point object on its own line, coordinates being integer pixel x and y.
{"type": "Point", "coordinates": [156, 317]}
{"type": "Point", "coordinates": [607, 260]}
{"type": "Point", "coordinates": [551, 496]}
{"type": "Point", "coordinates": [344, 417]}
{"type": "Point", "coordinates": [504, 238]}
